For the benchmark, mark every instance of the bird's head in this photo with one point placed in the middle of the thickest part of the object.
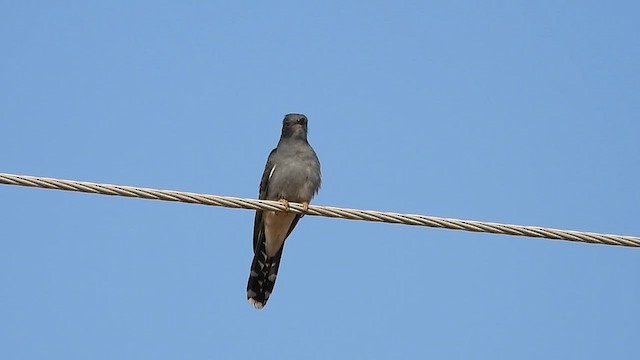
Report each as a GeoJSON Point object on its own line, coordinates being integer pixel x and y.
{"type": "Point", "coordinates": [294, 126]}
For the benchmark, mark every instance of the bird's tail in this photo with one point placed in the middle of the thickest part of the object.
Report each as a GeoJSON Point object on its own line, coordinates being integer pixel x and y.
{"type": "Point", "coordinates": [262, 278]}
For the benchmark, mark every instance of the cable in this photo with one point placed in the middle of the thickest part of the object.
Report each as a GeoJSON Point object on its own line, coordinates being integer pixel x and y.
{"type": "Point", "coordinates": [316, 210]}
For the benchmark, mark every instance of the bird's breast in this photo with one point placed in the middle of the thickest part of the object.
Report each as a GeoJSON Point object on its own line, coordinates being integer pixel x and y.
{"type": "Point", "coordinates": [294, 180]}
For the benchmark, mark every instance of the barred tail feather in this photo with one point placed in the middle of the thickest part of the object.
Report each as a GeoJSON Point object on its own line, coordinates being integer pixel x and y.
{"type": "Point", "coordinates": [262, 277]}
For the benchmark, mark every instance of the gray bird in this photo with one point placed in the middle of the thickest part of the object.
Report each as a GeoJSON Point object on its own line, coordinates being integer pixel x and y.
{"type": "Point", "coordinates": [292, 174]}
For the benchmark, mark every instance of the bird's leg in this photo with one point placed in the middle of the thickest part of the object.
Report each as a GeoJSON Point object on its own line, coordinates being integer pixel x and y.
{"type": "Point", "coordinates": [285, 202]}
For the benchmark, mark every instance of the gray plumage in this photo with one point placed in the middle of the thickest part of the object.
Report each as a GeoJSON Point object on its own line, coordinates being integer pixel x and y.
{"type": "Point", "coordinates": [292, 174]}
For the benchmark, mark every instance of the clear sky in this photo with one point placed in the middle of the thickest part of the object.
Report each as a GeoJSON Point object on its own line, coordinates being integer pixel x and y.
{"type": "Point", "coordinates": [523, 112]}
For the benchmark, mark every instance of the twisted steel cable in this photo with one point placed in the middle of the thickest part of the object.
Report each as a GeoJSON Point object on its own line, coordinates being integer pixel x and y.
{"type": "Point", "coordinates": [317, 210]}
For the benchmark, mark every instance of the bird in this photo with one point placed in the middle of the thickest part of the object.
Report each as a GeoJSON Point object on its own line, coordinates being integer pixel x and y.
{"type": "Point", "coordinates": [292, 174]}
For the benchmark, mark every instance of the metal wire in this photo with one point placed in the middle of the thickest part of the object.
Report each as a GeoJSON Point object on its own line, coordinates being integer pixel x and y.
{"type": "Point", "coordinates": [317, 210]}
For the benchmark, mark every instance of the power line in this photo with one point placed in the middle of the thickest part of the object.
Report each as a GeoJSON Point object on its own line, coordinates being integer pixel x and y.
{"type": "Point", "coordinates": [317, 210]}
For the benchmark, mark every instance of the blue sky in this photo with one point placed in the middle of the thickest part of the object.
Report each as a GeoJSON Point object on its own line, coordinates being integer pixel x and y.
{"type": "Point", "coordinates": [507, 111]}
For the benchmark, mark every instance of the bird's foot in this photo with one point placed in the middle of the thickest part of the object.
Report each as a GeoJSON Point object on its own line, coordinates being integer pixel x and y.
{"type": "Point", "coordinates": [285, 202]}
{"type": "Point", "coordinates": [305, 206]}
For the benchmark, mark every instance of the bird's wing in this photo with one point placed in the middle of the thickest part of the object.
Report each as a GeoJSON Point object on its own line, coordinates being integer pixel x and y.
{"type": "Point", "coordinates": [266, 175]}
{"type": "Point", "coordinates": [258, 224]}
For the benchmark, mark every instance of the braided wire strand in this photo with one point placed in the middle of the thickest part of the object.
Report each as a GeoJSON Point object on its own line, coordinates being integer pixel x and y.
{"type": "Point", "coordinates": [317, 210]}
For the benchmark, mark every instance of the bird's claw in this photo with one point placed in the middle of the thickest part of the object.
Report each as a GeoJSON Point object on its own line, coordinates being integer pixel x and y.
{"type": "Point", "coordinates": [285, 202]}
